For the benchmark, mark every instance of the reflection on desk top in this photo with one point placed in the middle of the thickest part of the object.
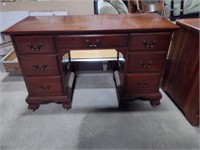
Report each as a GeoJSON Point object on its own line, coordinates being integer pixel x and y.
{"type": "Point", "coordinates": [92, 23]}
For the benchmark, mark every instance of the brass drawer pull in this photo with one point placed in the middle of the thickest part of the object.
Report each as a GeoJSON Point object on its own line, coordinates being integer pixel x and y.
{"type": "Point", "coordinates": [141, 85]}
{"type": "Point", "coordinates": [148, 65]}
{"type": "Point", "coordinates": [34, 48]}
{"type": "Point", "coordinates": [148, 44]}
{"type": "Point", "coordinates": [45, 88]}
{"type": "Point", "coordinates": [90, 44]}
{"type": "Point", "coordinates": [40, 68]}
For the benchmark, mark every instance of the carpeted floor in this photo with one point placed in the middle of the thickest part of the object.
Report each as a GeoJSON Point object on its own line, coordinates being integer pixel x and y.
{"type": "Point", "coordinates": [94, 122]}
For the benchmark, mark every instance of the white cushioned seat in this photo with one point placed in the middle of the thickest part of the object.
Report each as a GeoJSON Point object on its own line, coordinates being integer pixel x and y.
{"type": "Point", "coordinates": [113, 7]}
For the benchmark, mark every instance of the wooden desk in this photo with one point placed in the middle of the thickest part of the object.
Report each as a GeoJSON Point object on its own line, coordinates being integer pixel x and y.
{"type": "Point", "coordinates": [181, 79]}
{"type": "Point", "coordinates": [41, 42]}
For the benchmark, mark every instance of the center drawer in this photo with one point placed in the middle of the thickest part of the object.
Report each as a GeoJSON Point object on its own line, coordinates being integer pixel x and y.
{"type": "Point", "coordinates": [92, 41]}
{"type": "Point", "coordinates": [39, 65]}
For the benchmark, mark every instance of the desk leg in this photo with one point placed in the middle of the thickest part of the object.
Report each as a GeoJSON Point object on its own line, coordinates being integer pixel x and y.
{"type": "Point", "coordinates": [33, 106]}
{"type": "Point", "coordinates": [66, 106]}
{"type": "Point", "coordinates": [155, 102]}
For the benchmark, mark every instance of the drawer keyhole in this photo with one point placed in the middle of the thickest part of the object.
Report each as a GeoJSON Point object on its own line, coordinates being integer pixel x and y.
{"type": "Point", "coordinates": [148, 44]}
{"type": "Point", "coordinates": [92, 44]}
{"type": "Point", "coordinates": [148, 65]}
{"type": "Point", "coordinates": [35, 48]}
{"type": "Point", "coordinates": [40, 68]}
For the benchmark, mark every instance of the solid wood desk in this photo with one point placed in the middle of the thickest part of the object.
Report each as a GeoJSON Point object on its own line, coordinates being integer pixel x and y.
{"type": "Point", "coordinates": [41, 42]}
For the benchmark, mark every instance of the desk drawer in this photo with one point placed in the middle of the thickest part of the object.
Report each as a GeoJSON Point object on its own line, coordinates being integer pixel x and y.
{"type": "Point", "coordinates": [35, 44]}
{"type": "Point", "coordinates": [146, 62]}
{"type": "Point", "coordinates": [40, 64]}
{"type": "Point", "coordinates": [150, 41]}
{"type": "Point", "coordinates": [92, 41]}
{"type": "Point", "coordinates": [10, 63]}
{"type": "Point", "coordinates": [142, 82]}
{"type": "Point", "coordinates": [38, 86]}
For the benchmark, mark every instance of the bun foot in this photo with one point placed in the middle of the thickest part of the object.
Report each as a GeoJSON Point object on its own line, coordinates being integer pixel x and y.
{"type": "Point", "coordinates": [66, 106]}
{"type": "Point", "coordinates": [33, 106]}
{"type": "Point", "coordinates": [155, 103]}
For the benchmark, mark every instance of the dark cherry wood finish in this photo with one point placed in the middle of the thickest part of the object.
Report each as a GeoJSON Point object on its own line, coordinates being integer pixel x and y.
{"type": "Point", "coordinates": [181, 79]}
{"type": "Point", "coordinates": [41, 42]}
{"type": "Point", "coordinates": [92, 41]}
{"type": "Point", "coordinates": [150, 41]}
{"type": "Point", "coordinates": [146, 62]}
{"type": "Point", "coordinates": [43, 64]}
{"type": "Point", "coordinates": [35, 44]}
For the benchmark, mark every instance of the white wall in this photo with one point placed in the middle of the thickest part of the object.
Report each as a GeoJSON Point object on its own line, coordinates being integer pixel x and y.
{"type": "Point", "coordinates": [9, 18]}
{"type": "Point", "coordinates": [73, 7]}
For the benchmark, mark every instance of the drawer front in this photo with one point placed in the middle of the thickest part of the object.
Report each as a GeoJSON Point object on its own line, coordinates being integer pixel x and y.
{"type": "Point", "coordinates": [40, 64]}
{"type": "Point", "coordinates": [142, 82]}
{"type": "Point", "coordinates": [146, 62]}
{"type": "Point", "coordinates": [150, 41]}
{"type": "Point", "coordinates": [35, 44]}
{"type": "Point", "coordinates": [92, 41]}
{"type": "Point", "coordinates": [38, 86]}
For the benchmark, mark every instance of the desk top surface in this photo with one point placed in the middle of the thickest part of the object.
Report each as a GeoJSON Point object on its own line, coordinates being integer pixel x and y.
{"type": "Point", "coordinates": [192, 23]}
{"type": "Point", "coordinates": [92, 23]}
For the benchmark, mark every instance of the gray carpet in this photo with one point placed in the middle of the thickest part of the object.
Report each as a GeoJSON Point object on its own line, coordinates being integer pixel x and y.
{"type": "Point", "coordinates": [94, 122]}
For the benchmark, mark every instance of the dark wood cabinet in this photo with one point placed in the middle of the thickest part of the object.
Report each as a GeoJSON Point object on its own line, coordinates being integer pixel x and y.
{"type": "Point", "coordinates": [143, 69]}
{"type": "Point", "coordinates": [181, 79]}
{"type": "Point", "coordinates": [41, 42]}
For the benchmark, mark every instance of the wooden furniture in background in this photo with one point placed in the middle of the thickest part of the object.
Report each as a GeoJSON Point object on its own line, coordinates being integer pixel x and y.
{"type": "Point", "coordinates": [138, 6]}
{"type": "Point", "coordinates": [181, 78]}
{"type": "Point", "coordinates": [157, 7]}
{"type": "Point", "coordinates": [40, 43]}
